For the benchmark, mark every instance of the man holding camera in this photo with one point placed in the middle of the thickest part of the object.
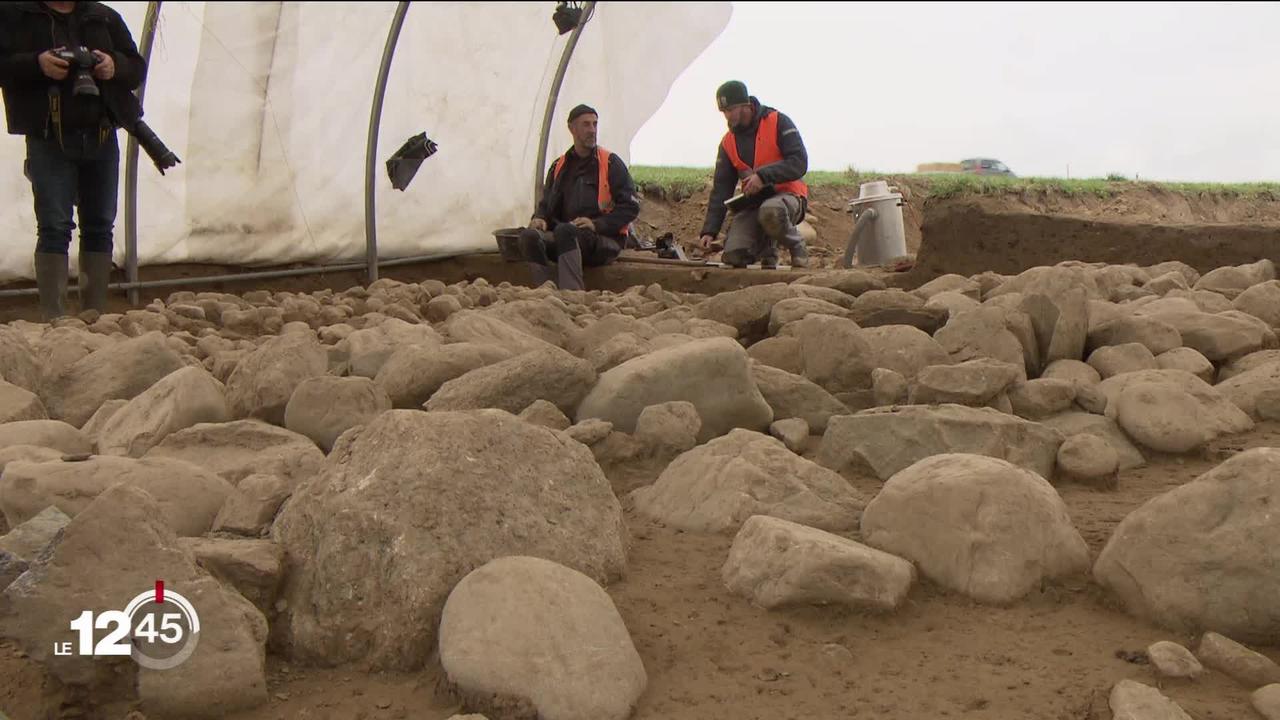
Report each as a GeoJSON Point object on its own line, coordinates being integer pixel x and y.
{"type": "Point", "coordinates": [763, 151]}
{"type": "Point", "coordinates": [587, 207]}
{"type": "Point", "coordinates": [67, 70]}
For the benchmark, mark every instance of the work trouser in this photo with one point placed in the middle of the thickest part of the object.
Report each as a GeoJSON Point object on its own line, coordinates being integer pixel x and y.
{"type": "Point", "coordinates": [569, 248]}
{"type": "Point", "coordinates": [756, 233]}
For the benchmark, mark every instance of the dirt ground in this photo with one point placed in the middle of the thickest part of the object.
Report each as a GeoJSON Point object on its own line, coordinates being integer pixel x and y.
{"type": "Point", "coordinates": [710, 654]}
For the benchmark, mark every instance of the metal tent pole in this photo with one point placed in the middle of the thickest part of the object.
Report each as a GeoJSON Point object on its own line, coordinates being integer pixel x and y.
{"type": "Point", "coordinates": [371, 149]}
{"type": "Point", "coordinates": [131, 162]}
{"type": "Point", "coordinates": [543, 138]}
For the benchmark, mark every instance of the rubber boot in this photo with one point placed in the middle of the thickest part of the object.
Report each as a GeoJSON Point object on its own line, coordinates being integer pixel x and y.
{"type": "Point", "coordinates": [51, 280]}
{"type": "Point", "coordinates": [95, 275]}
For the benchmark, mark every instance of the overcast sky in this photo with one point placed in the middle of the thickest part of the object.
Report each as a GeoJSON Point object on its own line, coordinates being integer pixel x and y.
{"type": "Point", "coordinates": [1164, 91]}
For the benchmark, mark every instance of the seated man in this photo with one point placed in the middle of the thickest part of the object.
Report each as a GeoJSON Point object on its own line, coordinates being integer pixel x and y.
{"type": "Point", "coordinates": [763, 152]}
{"type": "Point", "coordinates": [586, 211]}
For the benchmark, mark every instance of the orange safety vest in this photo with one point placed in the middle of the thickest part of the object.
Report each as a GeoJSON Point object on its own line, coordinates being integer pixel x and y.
{"type": "Point", "coordinates": [767, 152]}
{"type": "Point", "coordinates": [605, 196]}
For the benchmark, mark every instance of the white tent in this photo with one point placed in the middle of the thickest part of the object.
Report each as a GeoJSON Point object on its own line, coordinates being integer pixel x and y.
{"type": "Point", "coordinates": [268, 105]}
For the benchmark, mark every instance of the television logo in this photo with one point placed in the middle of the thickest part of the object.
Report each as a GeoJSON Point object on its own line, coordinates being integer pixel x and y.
{"type": "Point", "coordinates": [147, 629]}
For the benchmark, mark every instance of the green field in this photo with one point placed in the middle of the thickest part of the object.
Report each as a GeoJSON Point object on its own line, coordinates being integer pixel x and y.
{"type": "Point", "coordinates": [685, 181]}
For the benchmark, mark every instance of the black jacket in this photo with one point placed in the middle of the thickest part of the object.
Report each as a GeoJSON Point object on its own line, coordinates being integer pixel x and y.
{"type": "Point", "coordinates": [793, 165]}
{"type": "Point", "coordinates": [576, 194]}
{"type": "Point", "coordinates": [26, 30]}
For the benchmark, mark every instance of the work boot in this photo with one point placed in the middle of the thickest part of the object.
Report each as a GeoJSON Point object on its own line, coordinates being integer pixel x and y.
{"type": "Point", "coordinates": [799, 257]}
{"type": "Point", "coordinates": [51, 281]}
{"type": "Point", "coordinates": [95, 275]}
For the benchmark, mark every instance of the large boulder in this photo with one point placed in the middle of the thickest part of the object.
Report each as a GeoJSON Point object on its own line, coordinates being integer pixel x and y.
{"type": "Point", "coordinates": [62, 347]}
{"type": "Point", "coordinates": [1115, 360]}
{"type": "Point", "coordinates": [239, 449]}
{"type": "Point", "coordinates": [713, 374]}
{"type": "Point", "coordinates": [265, 379]}
{"type": "Point", "coordinates": [887, 440]}
{"type": "Point", "coordinates": [1245, 389]}
{"type": "Point", "coordinates": [550, 374]}
{"type": "Point", "coordinates": [776, 562]}
{"type": "Point", "coordinates": [902, 348]}
{"type": "Point", "coordinates": [973, 382]}
{"type": "Point", "coordinates": [545, 319]}
{"type": "Point", "coordinates": [18, 404]}
{"type": "Point", "coordinates": [1244, 364]}
{"type": "Point", "coordinates": [515, 608]}
{"type": "Point", "coordinates": [977, 525]}
{"type": "Point", "coordinates": [1150, 332]}
{"type": "Point", "coordinates": [1061, 323]}
{"type": "Point", "coordinates": [717, 486]}
{"type": "Point", "coordinates": [183, 398]}
{"type": "Point", "coordinates": [480, 328]}
{"type": "Point", "coordinates": [792, 309]}
{"type": "Point", "coordinates": [120, 371]}
{"type": "Point", "coordinates": [408, 505]}
{"type": "Point", "coordinates": [792, 396]}
{"type": "Point", "coordinates": [18, 362]}
{"type": "Point", "coordinates": [411, 375]}
{"type": "Point", "coordinates": [1202, 556]}
{"type": "Point", "coordinates": [366, 351]}
{"type": "Point", "coordinates": [322, 408]}
{"type": "Point", "coordinates": [189, 497]}
{"type": "Point", "coordinates": [53, 434]}
{"type": "Point", "coordinates": [746, 310]}
{"type": "Point", "coordinates": [1261, 301]}
{"type": "Point", "coordinates": [1082, 423]}
{"type": "Point", "coordinates": [981, 333]}
{"type": "Point", "coordinates": [833, 352]}
{"type": "Point", "coordinates": [1214, 414]}
{"type": "Point", "coordinates": [106, 556]}
{"type": "Point", "coordinates": [1218, 337]}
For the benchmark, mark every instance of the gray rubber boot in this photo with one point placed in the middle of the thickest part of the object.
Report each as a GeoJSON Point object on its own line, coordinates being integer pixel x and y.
{"type": "Point", "coordinates": [95, 275]}
{"type": "Point", "coordinates": [51, 280]}
{"type": "Point", "coordinates": [569, 269]}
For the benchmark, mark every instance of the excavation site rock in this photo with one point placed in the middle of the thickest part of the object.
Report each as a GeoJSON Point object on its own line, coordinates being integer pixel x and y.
{"type": "Point", "coordinates": [412, 502]}
{"type": "Point", "coordinates": [717, 486]}
{"type": "Point", "coordinates": [887, 440]}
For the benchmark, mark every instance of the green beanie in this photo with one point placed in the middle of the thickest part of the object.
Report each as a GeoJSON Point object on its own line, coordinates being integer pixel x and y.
{"type": "Point", "coordinates": [732, 93]}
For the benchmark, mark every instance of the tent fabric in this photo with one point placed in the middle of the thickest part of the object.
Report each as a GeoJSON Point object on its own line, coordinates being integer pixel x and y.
{"type": "Point", "coordinates": [268, 105]}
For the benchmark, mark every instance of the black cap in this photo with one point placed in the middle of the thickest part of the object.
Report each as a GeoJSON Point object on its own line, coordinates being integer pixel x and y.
{"type": "Point", "coordinates": [732, 93]}
{"type": "Point", "coordinates": [580, 110]}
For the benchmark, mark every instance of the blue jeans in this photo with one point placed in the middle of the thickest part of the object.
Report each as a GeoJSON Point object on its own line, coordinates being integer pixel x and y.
{"type": "Point", "coordinates": [86, 175]}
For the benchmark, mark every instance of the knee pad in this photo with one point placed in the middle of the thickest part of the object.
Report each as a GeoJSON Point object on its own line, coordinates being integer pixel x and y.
{"type": "Point", "coordinates": [774, 221]}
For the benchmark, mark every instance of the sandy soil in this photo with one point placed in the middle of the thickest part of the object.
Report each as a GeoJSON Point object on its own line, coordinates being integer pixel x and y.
{"type": "Point", "coordinates": [710, 654]}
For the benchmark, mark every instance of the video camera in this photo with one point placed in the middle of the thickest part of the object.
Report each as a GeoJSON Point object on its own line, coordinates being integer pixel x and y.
{"type": "Point", "coordinates": [82, 62]}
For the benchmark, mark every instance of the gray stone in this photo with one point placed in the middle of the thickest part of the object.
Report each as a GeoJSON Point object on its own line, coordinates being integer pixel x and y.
{"type": "Point", "coordinates": [1134, 701]}
{"type": "Point", "coordinates": [717, 486]}
{"type": "Point", "coordinates": [793, 433]}
{"type": "Point", "coordinates": [1249, 668]}
{"type": "Point", "coordinates": [1174, 661]}
{"type": "Point", "coordinates": [887, 440]}
{"type": "Point", "coordinates": [776, 563]}
{"type": "Point", "coordinates": [515, 608]}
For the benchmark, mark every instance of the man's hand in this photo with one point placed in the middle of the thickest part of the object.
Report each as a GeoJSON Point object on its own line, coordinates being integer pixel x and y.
{"type": "Point", "coordinates": [585, 223]}
{"type": "Point", "coordinates": [708, 243]}
{"type": "Point", "coordinates": [753, 185]}
{"type": "Point", "coordinates": [538, 224]}
{"type": "Point", "coordinates": [53, 66]}
{"type": "Point", "coordinates": [106, 67]}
